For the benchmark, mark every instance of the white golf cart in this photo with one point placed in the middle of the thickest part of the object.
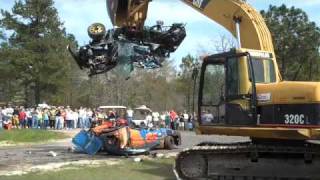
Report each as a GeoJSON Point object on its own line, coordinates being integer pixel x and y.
{"type": "Point", "coordinates": [140, 116]}
{"type": "Point", "coordinates": [117, 110]}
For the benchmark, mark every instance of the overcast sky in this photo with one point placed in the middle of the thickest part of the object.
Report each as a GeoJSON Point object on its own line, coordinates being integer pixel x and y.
{"type": "Point", "coordinates": [77, 15]}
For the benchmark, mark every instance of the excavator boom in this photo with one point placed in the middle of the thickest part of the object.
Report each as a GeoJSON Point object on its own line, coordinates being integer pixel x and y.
{"type": "Point", "coordinates": [254, 33]}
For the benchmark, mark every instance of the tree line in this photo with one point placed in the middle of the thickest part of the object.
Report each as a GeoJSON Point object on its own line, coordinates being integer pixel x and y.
{"type": "Point", "coordinates": [35, 65]}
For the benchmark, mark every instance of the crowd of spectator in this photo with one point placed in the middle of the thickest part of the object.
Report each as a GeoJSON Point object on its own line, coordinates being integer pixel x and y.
{"type": "Point", "coordinates": [58, 118]}
{"type": "Point", "coordinates": [45, 118]}
{"type": "Point", "coordinates": [174, 120]}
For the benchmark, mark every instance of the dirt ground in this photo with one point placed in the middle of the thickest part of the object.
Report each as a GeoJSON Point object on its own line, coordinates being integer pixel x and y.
{"type": "Point", "coordinates": [28, 158]}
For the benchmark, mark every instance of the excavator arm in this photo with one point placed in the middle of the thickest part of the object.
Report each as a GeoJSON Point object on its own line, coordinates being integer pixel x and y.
{"type": "Point", "coordinates": [253, 33]}
{"type": "Point", "coordinates": [131, 13]}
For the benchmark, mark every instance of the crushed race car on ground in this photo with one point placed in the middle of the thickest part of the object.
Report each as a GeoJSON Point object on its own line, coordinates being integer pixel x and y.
{"type": "Point", "coordinates": [121, 139]}
{"type": "Point", "coordinates": [128, 46]}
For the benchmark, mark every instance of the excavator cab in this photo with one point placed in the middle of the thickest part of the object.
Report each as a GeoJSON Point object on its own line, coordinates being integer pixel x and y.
{"type": "Point", "coordinates": [227, 94]}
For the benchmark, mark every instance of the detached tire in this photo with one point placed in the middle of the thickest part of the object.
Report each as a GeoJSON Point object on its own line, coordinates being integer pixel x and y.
{"type": "Point", "coordinates": [168, 142]}
{"type": "Point", "coordinates": [97, 31]}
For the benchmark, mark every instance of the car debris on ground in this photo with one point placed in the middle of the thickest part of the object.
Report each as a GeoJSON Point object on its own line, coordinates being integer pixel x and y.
{"type": "Point", "coordinates": [52, 153]}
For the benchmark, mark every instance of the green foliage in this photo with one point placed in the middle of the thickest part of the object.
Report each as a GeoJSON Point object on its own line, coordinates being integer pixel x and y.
{"type": "Point", "coordinates": [297, 42]}
{"type": "Point", "coordinates": [29, 135]}
{"type": "Point", "coordinates": [154, 88]}
{"type": "Point", "coordinates": [2, 37]}
{"type": "Point", "coordinates": [37, 48]}
{"type": "Point", "coordinates": [186, 80]}
{"type": "Point", "coordinates": [159, 89]}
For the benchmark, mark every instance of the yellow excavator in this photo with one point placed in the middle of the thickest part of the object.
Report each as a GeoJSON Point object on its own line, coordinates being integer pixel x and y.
{"type": "Point", "coordinates": [241, 93]}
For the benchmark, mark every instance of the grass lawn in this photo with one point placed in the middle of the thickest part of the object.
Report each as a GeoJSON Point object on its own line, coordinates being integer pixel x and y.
{"type": "Point", "coordinates": [29, 135]}
{"type": "Point", "coordinates": [158, 169]}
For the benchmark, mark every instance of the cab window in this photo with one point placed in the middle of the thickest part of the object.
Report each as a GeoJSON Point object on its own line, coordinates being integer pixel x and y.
{"type": "Point", "coordinates": [264, 71]}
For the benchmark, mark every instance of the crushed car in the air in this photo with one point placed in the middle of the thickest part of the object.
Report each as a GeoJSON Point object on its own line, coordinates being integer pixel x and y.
{"type": "Point", "coordinates": [146, 48]}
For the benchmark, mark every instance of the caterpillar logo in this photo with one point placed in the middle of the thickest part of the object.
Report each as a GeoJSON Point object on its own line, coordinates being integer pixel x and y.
{"type": "Point", "coordinates": [199, 3]}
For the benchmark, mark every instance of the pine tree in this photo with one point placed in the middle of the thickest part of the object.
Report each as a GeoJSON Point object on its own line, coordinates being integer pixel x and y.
{"type": "Point", "coordinates": [38, 46]}
{"type": "Point", "coordinates": [297, 42]}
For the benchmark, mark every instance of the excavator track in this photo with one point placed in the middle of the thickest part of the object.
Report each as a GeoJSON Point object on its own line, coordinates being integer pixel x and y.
{"type": "Point", "coordinates": [246, 161]}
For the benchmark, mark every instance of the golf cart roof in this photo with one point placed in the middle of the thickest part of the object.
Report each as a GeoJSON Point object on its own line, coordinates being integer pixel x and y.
{"type": "Point", "coordinates": [112, 107]}
{"type": "Point", "coordinates": [143, 108]}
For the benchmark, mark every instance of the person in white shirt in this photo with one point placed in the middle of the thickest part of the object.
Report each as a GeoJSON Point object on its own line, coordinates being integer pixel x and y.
{"type": "Point", "coordinates": [129, 115]}
{"type": "Point", "coordinates": [149, 120]}
{"type": "Point", "coordinates": [163, 119]}
{"type": "Point", "coordinates": [4, 114]}
{"type": "Point", "coordinates": [29, 118]}
{"type": "Point", "coordinates": [69, 118]}
{"type": "Point", "coordinates": [155, 117]}
{"type": "Point", "coordinates": [7, 115]}
{"type": "Point", "coordinates": [185, 116]}
{"type": "Point", "coordinates": [1, 118]}
{"type": "Point", "coordinates": [82, 116]}
{"type": "Point", "coordinates": [163, 116]}
{"type": "Point", "coordinates": [88, 118]}
{"type": "Point", "coordinates": [185, 119]}
{"type": "Point", "coordinates": [9, 112]}
{"type": "Point", "coordinates": [75, 118]}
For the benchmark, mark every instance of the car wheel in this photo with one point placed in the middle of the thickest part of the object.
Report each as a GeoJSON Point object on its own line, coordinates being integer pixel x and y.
{"type": "Point", "coordinates": [97, 31]}
{"type": "Point", "coordinates": [168, 142]}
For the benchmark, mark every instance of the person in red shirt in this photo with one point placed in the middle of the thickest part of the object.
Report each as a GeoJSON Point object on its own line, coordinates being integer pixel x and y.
{"type": "Point", "coordinates": [22, 118]}
{"type": "Point", "coordinates": [173, 117]}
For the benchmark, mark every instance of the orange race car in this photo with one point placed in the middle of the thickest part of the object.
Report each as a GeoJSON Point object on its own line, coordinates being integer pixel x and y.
{"type": "Point", "coordinates": [121, 139]}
